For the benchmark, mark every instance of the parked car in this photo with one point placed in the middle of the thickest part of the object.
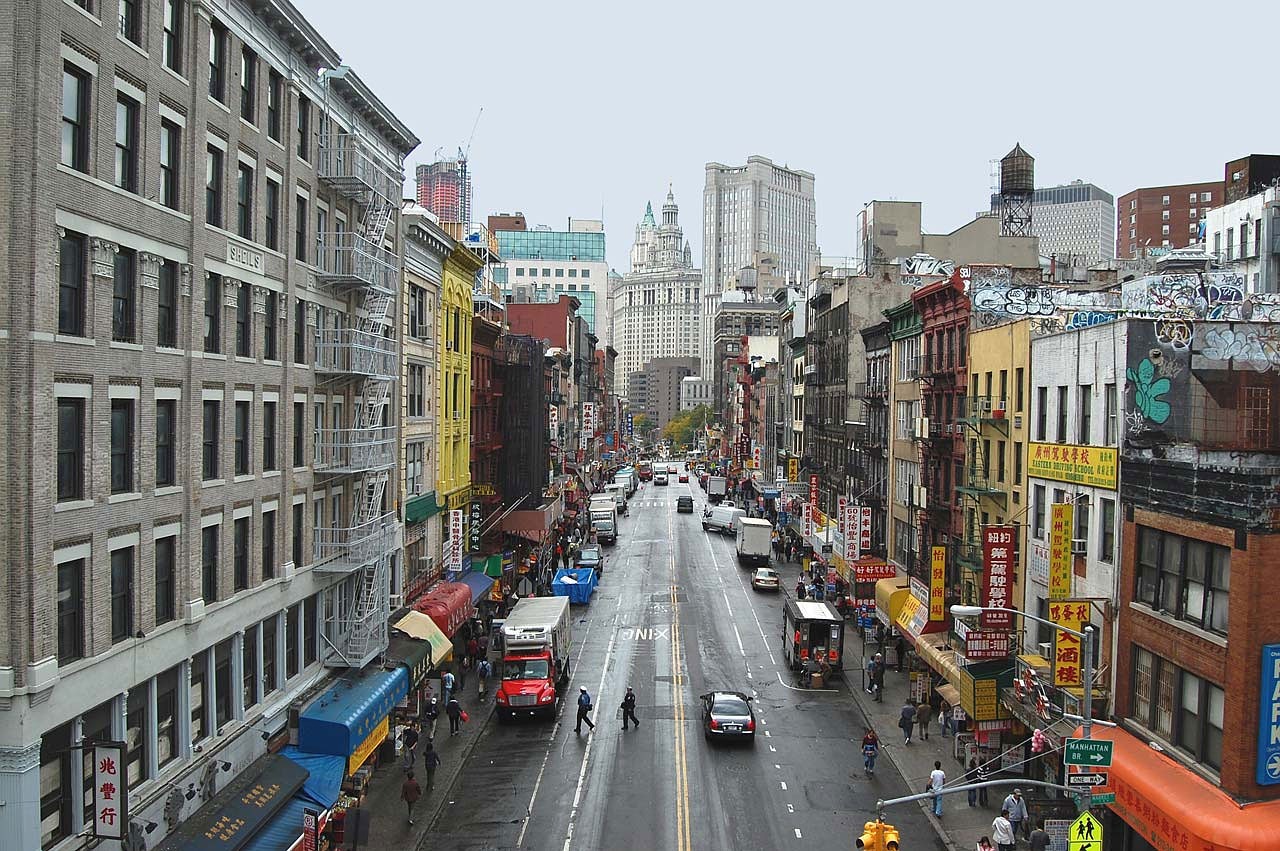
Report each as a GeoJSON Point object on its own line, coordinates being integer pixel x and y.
{"type": "Point", "coordinates": [765, 579]}
{"type": "Point", "coordinates": [684, 505]}
{"type": "Point", "coordinates": [727, 714]}
{"type": "Point", "coordinates": [593, 557]}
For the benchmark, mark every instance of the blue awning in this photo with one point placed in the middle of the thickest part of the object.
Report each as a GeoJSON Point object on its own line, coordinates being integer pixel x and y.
{"type": "Point", "coordinates": [241, 809]}
{"type": "Point", "coordinates": [772, 493]}
{"type": "Point", "coordinates": [479, 584]}
{"type": "Point", "coordinates": [284, 829]}
{"type": "Point", "coordinates": [325, 778]}
{"type": "Point", "coordinates": [340, 719]}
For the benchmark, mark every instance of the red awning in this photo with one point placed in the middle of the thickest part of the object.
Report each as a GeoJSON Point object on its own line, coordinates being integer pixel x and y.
{"type": "Point", "coordinates": [1176, 808]}
{"type": "Point", "coordinates": [448, 604]}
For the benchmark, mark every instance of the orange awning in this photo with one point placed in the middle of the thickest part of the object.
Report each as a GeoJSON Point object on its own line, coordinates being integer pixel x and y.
{"type": "Point", "coordinates": [1162, 799]}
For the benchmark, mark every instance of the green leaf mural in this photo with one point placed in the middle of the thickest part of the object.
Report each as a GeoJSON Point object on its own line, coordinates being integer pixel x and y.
{"type": "Point", "coordinates": [1147, 392]}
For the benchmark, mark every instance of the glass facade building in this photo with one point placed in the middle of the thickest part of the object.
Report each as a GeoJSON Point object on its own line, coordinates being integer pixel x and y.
{"type": "Point", "coordinates": [550, 245]}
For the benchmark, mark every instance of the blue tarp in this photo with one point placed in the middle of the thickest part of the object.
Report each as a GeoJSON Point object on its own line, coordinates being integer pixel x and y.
{"type": "Point", "coordinates": [325, 777]}
{"type": "Point", "coordinates": [479, 584]}
{"type": "Point", "coordinates": [344, 716]}
{"type": "Point", "coordinates": [576, 583]}
{"type": "Point", "coordinates": [284, 829]}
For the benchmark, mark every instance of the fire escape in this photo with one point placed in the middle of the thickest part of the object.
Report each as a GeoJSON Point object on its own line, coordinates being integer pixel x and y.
{"type": "Point", "coordinates": [984, 412]}
{"type": "Point", "coordinates": [359, 362]}
{"type": "Point", "coordinates": [937, 438]}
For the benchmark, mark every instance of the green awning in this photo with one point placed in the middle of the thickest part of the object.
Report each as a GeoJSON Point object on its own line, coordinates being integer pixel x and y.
{"type": "Point", "coordinates": [493, 566]}
{"type": "Point", "coordinates": [421, 507]}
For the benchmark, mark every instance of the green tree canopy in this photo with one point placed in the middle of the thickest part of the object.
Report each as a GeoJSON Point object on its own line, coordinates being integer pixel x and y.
{"type": "Point", "coordinates": [682, 429]}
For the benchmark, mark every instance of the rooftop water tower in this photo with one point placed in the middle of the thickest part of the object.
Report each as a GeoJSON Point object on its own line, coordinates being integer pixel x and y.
{"type": "Point", "coordinates": [1017, 186]}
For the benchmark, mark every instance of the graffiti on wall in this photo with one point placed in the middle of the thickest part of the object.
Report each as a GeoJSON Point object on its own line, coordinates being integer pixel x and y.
{"type": "Point", "coordinates": [1245, 346]}
{"type": "Point", "coordinates": [922, 265]}
{"type": "Point", "coordinates": [1157, 379]}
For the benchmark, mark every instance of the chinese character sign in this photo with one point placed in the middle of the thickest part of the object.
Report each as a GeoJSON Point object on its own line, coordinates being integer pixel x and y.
{"type": "Point", "coordinates": [808, 520]}
{"type": "Point", "coordinates": [1067, 648]}
{"type": "Point", "coordinates": [1062, 519]}
{"type": "Point", "coordinates": [793, 469]}
{"type": "Point", "coordinates": [997, 576]}
{"type": "Point", "coordinates": [553, 421]}
{"type": "Point", "coordinates": [631, 425]}
{"type": "Point", "coordinates": [937, 584]}
{"type": "Point", "coordinates": [846, 532]}
{"type": "Point", "coordinates": [813, 489]}
{"type": "Point", "coordinates": [110, 791]}
{"type": "Point", "coordinates": [864, 529]}
{"type": "Point", "coordinates": [455, 539]}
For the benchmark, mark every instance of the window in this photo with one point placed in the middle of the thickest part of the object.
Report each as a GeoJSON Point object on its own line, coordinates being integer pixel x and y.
{"type": "Point", "coordinates": [1086, 413]}
{"type": "Point", "coordinates": [173, 35]}
{"type": "Point", "coordinates": [1107, 536]}
{"type": "Point", "coordinates": [131, 20]}
{"type": "Point", "coordinates": [268, 629]}
{"type": "Point", "coordinates": [217, 62]}
{"type": "Point", "coordinates": [268, 545]}
{"type": "Point", "coordinates": [213, 187]}
{"type": "Point", "coordinates": [291, 640]}
{"type": "Point", "coordinates": [275, 101]}
{"type": "Point", "coordinates": [1164, 216]}
{"type": "Point", "coordinates": [1017, 464]}
{"type": "Point", "coordinates": [304, 129]}
{"type": "Point", "coordinates": [124, 296]}
{"type": "Point", "coordinates": [166, 712]}
{"type": "Point", "coordinates": [166, 442]}
{"type": "Point", "coordinates": [71, 610]}
{"type": "Point", "coordinates": [322, 226]}
{"type": "Point", "coordinates": [240, 543]}
{"type": "Point", "coordinates": [1017, 389]}
{"type": "Point", "coordinates": [299, 434]}
{"type": "Point", "coordinates": [419, 314]}
{"type": "Point", "coordinates": [1062, 414]}
{"type": "Point", "coordinates": [244, 320]}
{"type": "Point", "coordinates": [1164, 199]}
{"type": "Point", "coordinates": [299, 331]}
{"type": "Point", "coordinates": [166, 573]}
{"type": "Point", "coordinates": [244, 201]}
{"type": "Point", "coordinates": [248, 85]}
{"type": "Point", "coordinates": [586, 273]}
{"type": "Point", "coordinates": [309, 630]}
{"type": "Point", "coordinates": [559, 273]}
{"type": "Point", "coordinates": [1164, 230]}
{"type": "Point", "coordinates": [71, 284]}
{"type": "Point", "coordinates": [1184, 578]}
{"type": "Point", "coordinates": [121, 594]}
{"type": "Point", "coordinates": [242, 439]}
{"type": "Point", "coordinates": [249, 667]}
{"type": "Point", "coordinates": [413, 478]}
{"type": "Point", "coordinates": [1178, 706]}
{"type": "Point", "coordinates": [122, 446]}
{"type": "Point", "coordinates": [272, 235]}
{"type": "Point", "coordinates": [1193, 228]}
{"type": "Point", "coordinates": [167, 305]}
{"type": "Point", "coordinates": [269, 460]}
{"type": "Point", "coordinates": [1042, 412]}
{"type": "Point", "coordinates": [1000, 461]}
{"type": "Point", "coordinates": [198, 696]}
{"type": "Point", "coordinates": [1200, 711]}
{"type": "Point", "coordinates": [1037, 523]}
{"type": "Point", "coordinates": [170, 151]}
{"type": "Point", "coordinates": [417, 390]}
{"type": "Point", "coordinates": [1206, 197]}
{"type": "Point", "coordinates": [300, 230]}
{"type": "Point", "coordinates": [209, 564]}
{"type": "Point", "coordinates": [70, 449]}
{"type": "Point", "coordinates": [209, 439]}
{"type": "Point", "coordinates": [212, 313]}
{"type": "Point", "coordinates": [298, 521]}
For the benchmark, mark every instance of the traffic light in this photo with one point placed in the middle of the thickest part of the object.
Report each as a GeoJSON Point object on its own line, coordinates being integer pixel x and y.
{"type": "Point", "coordinates": [878, 836]}
{"type": "Point", "coordinates": [890, 838]}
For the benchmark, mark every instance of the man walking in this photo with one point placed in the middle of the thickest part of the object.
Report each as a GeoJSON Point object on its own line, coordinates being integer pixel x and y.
{"type": "Point", "coordinates": [446, 685]}
{"type": "Point", "coordinates": [629, 709]}
{"type": "Point", "coordinates": [410, 792]}
{"type": "Point", "coordinates": [907, 719]}
{"type": "Point", "coordinates": [584, 706]}
{"type": "Point", "coordinates": [922, 719]}
{"type": "Point", "coordinates": [432, 760]}
{"type": "Point", "coordinates": [901, 647]}
{"type": "Point", "coordinates": [483, 670]}
{"type": "Point", "coordinates": [879, 679]}
{"type": "Point", "coordinates": [1002, 832]}
{"type": "Point", "coordinates": [1017, 811]}
{"type": "Point", "coordinates": [1040, 838]}
{"type": "Point", "coordinates": [937, 779]}
{"type": "Point", "coordinates": [432, 715]}
{"type": "Point", "coordinates": [454, 710]}
{"type": "Point", "coordinates": [409, 743]}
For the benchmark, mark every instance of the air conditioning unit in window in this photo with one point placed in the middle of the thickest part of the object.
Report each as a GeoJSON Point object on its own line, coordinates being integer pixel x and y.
{"type": "Point", "coordinates": [1079, 546]}
{"type": "Point", "coordinates": [418, 488]}
{"type": "Point", "coordinates": [1045, 648]}
{"type": "Point", "coordinates": [397, 601]}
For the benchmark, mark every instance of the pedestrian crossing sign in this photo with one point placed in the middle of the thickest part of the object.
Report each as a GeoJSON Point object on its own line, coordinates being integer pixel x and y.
{"type": "Point", "coordinates": [1085, 834]}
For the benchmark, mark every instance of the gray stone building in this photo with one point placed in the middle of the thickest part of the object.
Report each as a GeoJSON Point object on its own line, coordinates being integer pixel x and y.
{"type": "Point", "coordinates": [655, 390]}
{"type": "Point", "coordinates": [197, 340]}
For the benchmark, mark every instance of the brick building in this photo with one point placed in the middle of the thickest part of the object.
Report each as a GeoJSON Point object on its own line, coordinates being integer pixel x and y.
{"type": "Point", "coordinates": [1165, 217]}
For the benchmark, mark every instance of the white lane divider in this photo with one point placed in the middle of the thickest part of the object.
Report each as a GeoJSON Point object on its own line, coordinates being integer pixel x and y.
{"type": "Point", "coordinates": [798, 836]}
{"type": "Point", "coordinates": [586, 753]}
{"type": "Point", "coordinates": [791, 808]}
{"type": "Point", "coordinates": [783, 783]}
{"type": "Point", "coordinates": [772, 749]}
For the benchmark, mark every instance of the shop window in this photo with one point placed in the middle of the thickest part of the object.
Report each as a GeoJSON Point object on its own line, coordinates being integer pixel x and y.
{"type": "Point", "coordinates": [96, 728]}
{"type": "Point", "coordinates": [309, 624]}
{"type": "Point", "coordinates": [166, 716]}
{"type": "Point", "coordinates": [249, 667]}
{"type": "Point", "coordinates": [135, 733]}
{"type": "Point", "coordinates": [269, 630]}
{"type": "Point", "coordinates": [291, 640]}
{"type": "Point", "coordinates": [1178, 706]}
{"type": "Point", "coordinates": [198, 697]}
{"type": "Point", "coordinates": [223, 711]}
{"type": "Point", "coordinates": [55, 785]}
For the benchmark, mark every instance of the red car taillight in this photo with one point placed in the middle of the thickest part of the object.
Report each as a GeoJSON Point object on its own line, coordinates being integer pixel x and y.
{"type": "Point", "coordinates": [751, 725]}
{"type": "Point", "coordinates": [715, 725]}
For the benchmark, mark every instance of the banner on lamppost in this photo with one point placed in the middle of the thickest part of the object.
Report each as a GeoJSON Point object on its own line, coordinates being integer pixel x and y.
{"type": "Point", "coordinates": [1062, 517]}
{"type": "Point", "coordinates": [110, 791]}
{"type": "Point", "coordinates": [847, 534]}
{"type": "Point", "coordinates": [1067, 648]}
{"type": "Point", "coordinates": [997, 561]}
{"type": "Point", "coordinates": [937, 584]}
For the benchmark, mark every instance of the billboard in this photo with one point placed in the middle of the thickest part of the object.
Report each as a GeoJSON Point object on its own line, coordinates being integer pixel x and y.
{"type": "Point", "coordinates": [997, 574]}
{"type": "Point", "coordinates": [937, 584]}
{"type": "Point", "coordinates": [1062, 521]}
{"type": "Point", "coordinates": [1094, 466]}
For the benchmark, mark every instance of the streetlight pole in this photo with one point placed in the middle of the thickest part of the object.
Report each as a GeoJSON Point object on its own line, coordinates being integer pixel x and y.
{"type": "Point", "coordinates": [1086, 641]}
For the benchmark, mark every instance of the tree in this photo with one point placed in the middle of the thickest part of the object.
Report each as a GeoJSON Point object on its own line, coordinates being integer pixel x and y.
{"type": "Point", "coordinates": [682, 429]}
{"type": "Point", "coordinates": [641, 423]}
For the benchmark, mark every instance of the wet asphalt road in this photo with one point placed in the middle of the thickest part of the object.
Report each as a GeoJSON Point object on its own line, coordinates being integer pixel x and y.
{"type": "Point", "coordinates": [675, 617]}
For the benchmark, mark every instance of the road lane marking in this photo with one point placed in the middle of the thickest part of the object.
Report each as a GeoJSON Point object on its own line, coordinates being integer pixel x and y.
{"type": "Point", "coordinates": [586, 753]}
{"type": "Point", "coordinates": [772, 749]}
{"type": "Point", "coordinates": [791, 808]}
{"type": "Point", "coordinates": [738, 636]}
{"type": "Point", "coordinates": [768, 735]}
{"type": "Point", "coordinates": [741, 584]}
{"type": "Point", "coordinates": [794, 688]}
{"type": "Point", "coordinates": [798, 836]}
{"type": "Point", "coordinates": [777, 766]}
{"type": "Point", "coordinates": [783, 783]}
{"type": "Point", "coordinates": [683, 808]}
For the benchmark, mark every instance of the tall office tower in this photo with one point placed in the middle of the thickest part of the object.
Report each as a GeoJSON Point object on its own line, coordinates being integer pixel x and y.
{"type": "Point", "coordinates": [1076, 223]}
{"type": "Point", "coordinates": [750, 210]}
{"type": "Point", "coordinates": [444, 188]}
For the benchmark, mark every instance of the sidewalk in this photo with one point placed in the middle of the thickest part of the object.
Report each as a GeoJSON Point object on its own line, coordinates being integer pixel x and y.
{"type": "Point", "coordinates": [960, 826]}
{"type": "Point", "coordinates": [389, 825]}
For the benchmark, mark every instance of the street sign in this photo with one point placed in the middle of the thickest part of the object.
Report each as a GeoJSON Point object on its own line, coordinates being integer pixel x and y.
{"type": "Point", "coordinates": [1091, 752]}
{"type": "Point", "coordinates": [1103, 798]}
{"type": "Point", "coordinates": [1086, 834]}
{"type": "Point", "coordinates": [1094, 779]}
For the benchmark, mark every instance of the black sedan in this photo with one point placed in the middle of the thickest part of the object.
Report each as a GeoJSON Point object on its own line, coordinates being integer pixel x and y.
{"type": "Point", "coordinates": [727, 714]}
{"type": "Point", "coordinates": [593, 557]}
{"type": "Point", "coordinates": [684, 505]}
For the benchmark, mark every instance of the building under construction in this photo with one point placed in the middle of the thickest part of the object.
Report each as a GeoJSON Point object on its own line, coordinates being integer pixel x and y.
{"type": "Point", "coordinates": [523, 457]}
{"type": "Point", "coordinates": [444, 188]}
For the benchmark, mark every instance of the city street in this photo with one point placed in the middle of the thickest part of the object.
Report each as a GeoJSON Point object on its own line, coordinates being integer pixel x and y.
{"type": "Point", "coordinates": [674, 617]}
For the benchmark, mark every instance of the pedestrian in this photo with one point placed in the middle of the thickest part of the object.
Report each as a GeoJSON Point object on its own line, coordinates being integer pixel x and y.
{"type": "Point", "coordinates": [944, 720]}
{"type": "Point", "coordinates": [907, 719]}
{"type": "Point", "coordinates": [1017, 811]}
{"type": "Point", "coordinates": [922, 719]}
{"type": "Point", "coordinates": [473, 651]}
{"type": "Point", "coordinates": [454, 710]}
{"type": "Point", "coordinates": [629, 709]}
{"type": "Point", "coordinates": [584, 706]}
{"type": "Point", "coordinates": [937, 779]}
{"type": "Point", "coordinates": [971, 776]}
{"type": "Point", "coordinates": [982, 778]}
{"type": "Point", "coordinates": [872, 664]}
{"type": "Point", "coordinates": [446, 684]}
{"type": "Point", "coordinates": [984, 844]}
{"type": "Point", "coordinates": [902, 652]}
{"type": "Point", "coordinates": [483, 670]}
{"type": "Point", "coordinates": [800, 590]}
{"type": "Point", "coordinates": [409, 745]}
{"type": "Point", "coordinates": [818, 591]}
{"type": "Point", "coordinates": [1039, 838]}
{"type": "Point", "coordinates": [1002, 832]}
{"type": "Point", "coordinates": [879, 685]}
{"type": "Point", "coordinates": [432, 714]}
{"type": "Point", "coordinates": [870, 750]}
{"type": "Point", "coordinates": [431, 758]}
{"type": "Point", "coordinates": [410, 792]}
{"type": "Point", "coordinates": [462, 678]}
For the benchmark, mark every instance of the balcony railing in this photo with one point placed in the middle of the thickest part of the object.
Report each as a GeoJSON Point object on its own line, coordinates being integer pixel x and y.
{"type": "Point", "coordinates": [350, 450]}
{"type": "Point", "coordinates": [347, 549]}
{"type": "Point", "coordinates": [348, 350]}
{"type": "Point", "coordinates": [347, 163]}
{"type": "Point", "coordinates": [346, 258]}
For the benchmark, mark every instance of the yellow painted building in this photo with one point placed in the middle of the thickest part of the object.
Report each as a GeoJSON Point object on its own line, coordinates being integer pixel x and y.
{"type": "Point", "coordinates": [997, 426]}
{"type": "Point", "coordinates": [453, 435]}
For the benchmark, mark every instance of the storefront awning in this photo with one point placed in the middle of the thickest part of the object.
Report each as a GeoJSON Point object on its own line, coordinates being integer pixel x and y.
{"type": "Point", "coordinates": [890, 594]}
{"type": "Point", "coordinates": [240, 809]}
{"type": "Point", "coordinates": [913, 620]}
{"type": "Point", "coordinates": [421, 627]}
{"type": "Point", "coordinates": [949, 693]}
{"type": "Point", "coordinates": [534, 524]}
{"type": "Point", "coordinates": [318, 794]}
{"type": "Point", "coordinates": [341, 718]}
{"type": "Point", "coordinates": [479, 584]}
{"type": "Point", "coordinates": [1176, 807]}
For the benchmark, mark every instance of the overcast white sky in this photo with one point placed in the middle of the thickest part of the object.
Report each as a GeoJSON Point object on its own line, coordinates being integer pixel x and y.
{"type": "Point", "coordinates": [598, 106]}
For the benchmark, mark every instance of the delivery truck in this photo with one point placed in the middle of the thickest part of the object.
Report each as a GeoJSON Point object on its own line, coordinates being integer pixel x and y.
{"type": "Point", "coordinates": [716, 488]}
{"type": "Point", "coordinates": [535, 663]}
{"type": "Point", "coordinates": [604, 518]}
{"type": "Point", "coordinates": [754, 541]}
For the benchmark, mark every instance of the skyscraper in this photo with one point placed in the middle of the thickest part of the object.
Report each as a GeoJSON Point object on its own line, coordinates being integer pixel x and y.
{"type": "Point", "coordinates": [657, 305]}
{"type": "Point", "coordinates": [444, 188]}
{"type": "Point", "coordinates": [1076, 222]}
{"type": "Point", "coordinates": [749, 210]}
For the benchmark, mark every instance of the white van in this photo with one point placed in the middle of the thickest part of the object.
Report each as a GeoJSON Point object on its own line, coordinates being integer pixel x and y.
{"type": "Point", "coordinates": [722, 518]}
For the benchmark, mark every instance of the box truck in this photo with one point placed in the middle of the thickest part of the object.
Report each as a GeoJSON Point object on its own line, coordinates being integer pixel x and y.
{"type": "Point", "coordinates": [754, 541]}
{"type": "Point", "coordinates": [535, 663]}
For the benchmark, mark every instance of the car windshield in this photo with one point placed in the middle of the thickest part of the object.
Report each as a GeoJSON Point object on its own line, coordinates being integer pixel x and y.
{"type": "Point", "coordinates": [727, 704]}
{"type": "Point", "coordinates": [765, 573]}
{"type": "Point", "coordinates": [590, 554]}
{"type": "Point", "coordinates": [525, 669]}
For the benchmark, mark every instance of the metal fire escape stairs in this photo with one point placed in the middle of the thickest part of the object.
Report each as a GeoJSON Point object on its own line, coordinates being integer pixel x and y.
{"type": "Point", "coordinates": [360, 361]}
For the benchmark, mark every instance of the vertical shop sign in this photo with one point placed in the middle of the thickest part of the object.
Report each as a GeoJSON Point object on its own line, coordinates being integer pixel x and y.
{"type": "Point", "coordinates": [1062, 519]}
{"type": "Point", "coordinates": [997, 559]}
{"type": "Point", "coordinates": [1067, 650]}
{"type": "Point", "coordinates": [937, 584]}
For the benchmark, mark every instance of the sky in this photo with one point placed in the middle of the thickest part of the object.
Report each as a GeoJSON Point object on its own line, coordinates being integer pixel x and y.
{"type": "Point", "coordinates": [592, 109]}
